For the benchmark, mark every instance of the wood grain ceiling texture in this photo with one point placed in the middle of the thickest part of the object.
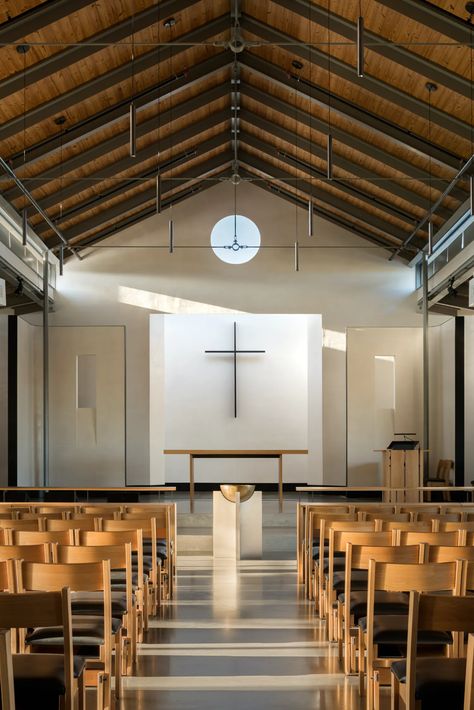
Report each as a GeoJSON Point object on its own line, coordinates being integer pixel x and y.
{"type": "Point", "coordinates": [87, 58]}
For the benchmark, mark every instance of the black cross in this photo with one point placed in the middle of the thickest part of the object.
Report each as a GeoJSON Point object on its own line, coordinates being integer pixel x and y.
{"type": "Point", "coordinates": [235, 352]}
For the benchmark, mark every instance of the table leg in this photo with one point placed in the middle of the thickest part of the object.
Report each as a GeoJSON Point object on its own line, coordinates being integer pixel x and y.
{"type": "Point", "coordinates": [191, 483]}
{"type": "Point", "coordinates": [280, 483]}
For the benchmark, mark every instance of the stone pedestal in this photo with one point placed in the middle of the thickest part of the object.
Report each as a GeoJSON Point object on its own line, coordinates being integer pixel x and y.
{"type": "Point", "coordinates": [237, 527]}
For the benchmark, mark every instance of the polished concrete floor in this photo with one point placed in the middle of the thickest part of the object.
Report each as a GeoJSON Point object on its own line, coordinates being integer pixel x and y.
{"type": "Point", "coordinates": [238, 637]}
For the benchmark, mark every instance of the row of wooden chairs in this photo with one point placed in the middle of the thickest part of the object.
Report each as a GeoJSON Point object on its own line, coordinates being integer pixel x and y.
{"type": "Point", "coordinates": [425, 551]}
{"type": "Point", "coordinates": [310, 515]}
{"type": "Point", "coordinates": [140, 574]}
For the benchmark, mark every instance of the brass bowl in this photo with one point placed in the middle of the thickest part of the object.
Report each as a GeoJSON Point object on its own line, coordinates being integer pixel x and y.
{"type": "Point", "coordinates": [230, 490]}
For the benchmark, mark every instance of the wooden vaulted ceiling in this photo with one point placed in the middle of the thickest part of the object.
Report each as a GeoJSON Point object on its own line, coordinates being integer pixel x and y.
{"type": "Point", "coordinates": [64, 108]}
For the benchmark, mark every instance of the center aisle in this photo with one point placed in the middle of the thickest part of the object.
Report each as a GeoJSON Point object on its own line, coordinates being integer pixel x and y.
{"type": "Point", "coordinates": [238, 637]}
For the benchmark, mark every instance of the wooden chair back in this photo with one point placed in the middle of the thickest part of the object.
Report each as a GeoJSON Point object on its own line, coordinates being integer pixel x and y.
{"type": "Point", "coordinates": [36, 524]}
{"type": "Point", "coordinates": [31, 553]}
{"type": "Point", "coordinates": [433, 612]}
{"type": "Point", "coordinates": [39, 609]}
{"type": "Point", "coordinates": [100, 510]}
{"type": "Point", "coordinates": [81, 577]}
{"type": "Point", "coordinates": [427, 577]}
{"type": "Point", "coordinates": [450, 527]}
{"type": "Point", "coordinates": [392, 517]}
{"type": "Point", "coordinates": [419, 507]}
{"type": "Point", "coordinates": [449, 553]}
{"type": "Point", "coordinates": [43, 516]}
{"type": "Point", "coordinates": [56, 509]}
{"type": "Point", "coordinates": [358, 555]}
{"type": "Point", "coordinates": [400, 525]}
{"type": "Point", "coordinates": [442, 517]}
{"type": "Point", "coordinates": [34, 537]}
{"type": "Point", "coordinates": [84, 524]}
{"type": "Point", "coordinates": [134, 538]}
{"type": "Point", "coordinates": [414, 537]}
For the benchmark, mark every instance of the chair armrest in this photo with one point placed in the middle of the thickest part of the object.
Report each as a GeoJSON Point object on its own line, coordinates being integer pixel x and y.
{"type": "Point", "coordinates": [6, 670]}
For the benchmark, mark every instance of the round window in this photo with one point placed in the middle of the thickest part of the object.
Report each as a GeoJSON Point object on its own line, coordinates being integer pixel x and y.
{"type": "Point", "coordinates": [235, 239]}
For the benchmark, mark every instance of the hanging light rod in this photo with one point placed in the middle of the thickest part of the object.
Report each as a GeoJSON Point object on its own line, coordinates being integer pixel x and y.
{"type": "Point", "coordinates": [61, 259]}
{"type": "Point", "coordinates": [24, 226]}
{"type": "Point", "coordinates": [430, 237]}
{"type": "Point", "coordinates": [158, 192]}
{"type": "Point", "coordinates": [360, 47]}
{"type": "Point", "coordinates": [133, 129]}
{"type": "Point", "coordinates": [310, 218]}
{"type": "Point", "coordinates": [170, 236]}
{"type": "Point", "coordinates": [471, 195]}
{"type": "Point", "coordinates": [329, 157]}
{"type": "Point", "coordinates": [297, 256]}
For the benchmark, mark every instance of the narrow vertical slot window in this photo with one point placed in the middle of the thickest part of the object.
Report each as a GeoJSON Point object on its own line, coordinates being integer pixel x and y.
{"type": "Point", "coordinates": [86, 379]}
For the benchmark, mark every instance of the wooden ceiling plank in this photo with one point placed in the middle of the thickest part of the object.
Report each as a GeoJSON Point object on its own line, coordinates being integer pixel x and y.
{"type": "Point", "coordinates": [100, 83]}
{"type": "Point", "coordinates": [346, 71]}
{"type": "Point", "coordinates": [354, 113]}
{"type": "Point", "coordinates": [99, 121]}
{"type": "Point", "coordinates": [276, 173]}
{"type": "Point", "coordinates": [380, 45]}
{"type": "Point", "coordinates": [434, 17]}
{"type": "Point", "coordinates": [355, 169]}
{"type": "Point", "coordinates": [106, 147]}
{"type": "Point", "coordinates": [281, 79]}
{"type": "Point", "coordinates": [190, 131]}
{"type": "Point", "coordinates": [266, 148]}
{"type": "Point", "coordinates": [119, 226]}
{"type": "Point", "coordinates": [38, 17]}
{"type": "Point", "coordinates": [131, 203]}
{"type": "Point", "coordinates": [74, 54]}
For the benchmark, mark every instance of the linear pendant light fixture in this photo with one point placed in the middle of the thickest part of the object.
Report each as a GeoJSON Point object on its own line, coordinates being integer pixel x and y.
{"type": "Point", "coordinates": [61, 259]}
{"type": "Point", "coordinates": [158, 192]}
{"type": "Point", "coordinates": [329, 157]}
{"type": "Point", "coordinates": [329, 163]}
{"type": "Point", "coordinates": [471, 195]}
{"type": "Point", "coordinates": [170, 236]}
{"type": "Point", "coordinates": [24, 227]}
{"type": "Point", "coordinates": [133, 108]}
{"type": "Point", "coordinates": [133, 129]}
{"type": "Point", "coordinates": [310, 219]}
{"type": "Point", "coordinates": [297, 256]}
{"type": "Point", "coordinates": [431, 88]}
{"type": "Point", "coordinates": [360, 44]}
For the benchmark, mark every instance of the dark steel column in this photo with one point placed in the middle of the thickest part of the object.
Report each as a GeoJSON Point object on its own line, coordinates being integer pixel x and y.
{"type": "Point", "coordinates": [46, 369]}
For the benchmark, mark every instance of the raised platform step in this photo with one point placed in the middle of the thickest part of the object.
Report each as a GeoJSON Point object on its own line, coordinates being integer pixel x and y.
{"type": "Point", "coordinates": [199, 541]}
{"type": "Point", "coordinates": [204, 520]}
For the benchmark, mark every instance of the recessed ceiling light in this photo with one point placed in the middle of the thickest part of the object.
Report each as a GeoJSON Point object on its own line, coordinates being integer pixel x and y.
{"type": "Point", "coordinates": [170, 22]}
{"type": "Point", "coordinates": [60, 120]}
{"type": "Point", "coordinates": [23, 48]}
{"type": "Point", "coordinates": [296, 64]}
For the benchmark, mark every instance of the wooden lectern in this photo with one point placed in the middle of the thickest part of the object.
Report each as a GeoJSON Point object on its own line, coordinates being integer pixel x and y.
{"type": "Point", "coordinates": [403, 469]}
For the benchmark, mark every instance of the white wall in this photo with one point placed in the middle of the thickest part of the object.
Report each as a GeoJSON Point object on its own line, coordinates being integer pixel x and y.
{"type": "Point", "coordinates": [87, 438]}
{"type": "Point", "coordinates": [274, 392]}
{"type": "Point", "coordinates": [30, 404]}
{"type": "Point", "coordinates": [373, 415]}
{"type": "Point", "coordinates": [349, 287]}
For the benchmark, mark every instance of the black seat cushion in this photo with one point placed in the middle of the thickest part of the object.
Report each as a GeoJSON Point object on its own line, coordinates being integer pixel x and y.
{"type": "Point", "coordinates": [439, 681]}
{"type": "Point", "coordinates": [119, 576]}
{"type": "Point", "coordinates": [339, 564]}
{"type": "Point", "coordinates": [385, 603]}
{"type": "Point", "coordinates": [326, 552]}
{"type": "Point", "coordinates": [92, 603]}
{"type": "Point", "coordinates": [359, 578]}
{"type": "Point", "coordinates": [392, 629]}
{"type": "Point", "coordinates": [160, 549]}
{"type": "Point", "coordinates": [86, 631]}
{"type": "Point", "coordinates": [39, 679]}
